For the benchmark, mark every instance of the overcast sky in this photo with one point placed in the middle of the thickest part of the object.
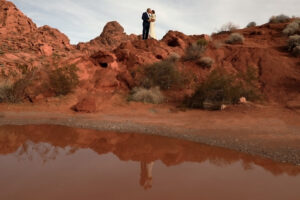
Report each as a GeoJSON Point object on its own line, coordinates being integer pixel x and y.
{"type": "Point", "coordinates": [83, 20]}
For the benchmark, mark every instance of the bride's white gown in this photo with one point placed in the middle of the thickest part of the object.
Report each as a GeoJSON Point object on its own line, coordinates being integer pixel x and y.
{"type": "Point", "coordinates": [152, 32]}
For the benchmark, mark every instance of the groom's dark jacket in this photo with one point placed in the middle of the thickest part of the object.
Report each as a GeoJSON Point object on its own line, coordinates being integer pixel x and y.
{"type": "Point", "coordinates": [145, 18]}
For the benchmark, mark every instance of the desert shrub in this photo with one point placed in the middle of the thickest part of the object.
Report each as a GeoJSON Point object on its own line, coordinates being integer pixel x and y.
{"type": "Point", "coordinates": [14, 92]}
{"type": "Point", "coordinates": [251, 24]}
{"type": "Point", "coordinates": [292, 28]}
{"type": "Point", "coordinates": [205, 62]}
{"type": "Point", "coordinates": [152, 95]}
{"type": "Point", "coordinates": [229, 27]}
{"type": "Point", "coordinates": [279, 19]}
{"type": "Point", "coordinates": [223, 88]}
{"type": "Point", "coordinates": [296, 51]}
{"type": "Point", "coordinates": [163, 74]}
{"type": "Point", "coordinates": [63, 80]}
{"type": "Point", "coordinates": [1, 52]}
{"type": "Point", "coordinates": [293, 42]}
{"type": "Point", "coordinates": [195, 50]}
{"type": "Point", "coordinates": [7, 93]}
{"type": "Point", "coordinates": [235, 38]}
{"type": "Point", "coordinates": [202, 42]}
{"type": "Point", "coordinates": [24, 69]}
{"type": "Point", "coordinates": [173, 57]}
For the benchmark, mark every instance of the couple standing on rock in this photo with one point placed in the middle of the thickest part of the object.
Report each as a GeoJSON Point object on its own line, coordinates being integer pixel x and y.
{"type": "Point", "coordinates": [149, 19]}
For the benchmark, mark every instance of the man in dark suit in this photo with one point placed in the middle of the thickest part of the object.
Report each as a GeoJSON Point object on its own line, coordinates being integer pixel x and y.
{"type": "Point", "coordinates": [146, 23]}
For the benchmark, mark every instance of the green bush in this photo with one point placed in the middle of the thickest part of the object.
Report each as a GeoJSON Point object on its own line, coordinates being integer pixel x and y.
{"type": "Point", "coordinates": [152, 95]}
{"type": "Point", "coordinates": [223, 88]}
{"type": "Point", "coordinates": [251, 24]}
{"type": "Point", "coordinates": [235, 38]}
{"type": "Point", "coordinates": [279, 19]}
{"type": "Point", "coordinates": [64, 80]}
{"type": "Point", "coordinates": [292, 28]}
{"type": "Point", "coordinates": [195, 50]}
{"type": "Point", "coordinates": [163, 74]}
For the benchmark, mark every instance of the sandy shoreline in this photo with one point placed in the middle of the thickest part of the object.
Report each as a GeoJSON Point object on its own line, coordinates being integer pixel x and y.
{"type": "Point", "coordinates": [277, 138]}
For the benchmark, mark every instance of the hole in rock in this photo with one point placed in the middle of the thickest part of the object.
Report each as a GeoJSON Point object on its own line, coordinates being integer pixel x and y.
{"type": "Point", "coordinates": [173, 43]}
{"type": "Point", "coordinates": [159, 57]}
{"type": "Point", "coordinates": [104, 65]}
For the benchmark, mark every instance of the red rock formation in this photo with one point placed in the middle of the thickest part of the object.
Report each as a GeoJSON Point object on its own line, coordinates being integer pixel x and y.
{"type": "Point", "coordinates": [108, 63]}
{"type": "Point", "coordinates": [87, 104]}
{"type": "Point", "coordinates": [111, 37]}
{"type": "Point", "coordinates": [13, 21]}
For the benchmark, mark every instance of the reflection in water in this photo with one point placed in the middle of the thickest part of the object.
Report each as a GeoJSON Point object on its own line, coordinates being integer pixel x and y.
{"type": "Point", "coordinates": [53, 145]}
{"type": "Point", "coordinates": [146, 175]}
{"type": "Point", "coordinates": [43, 151]}
{"type": "Point", "coordinates": [46, 139]}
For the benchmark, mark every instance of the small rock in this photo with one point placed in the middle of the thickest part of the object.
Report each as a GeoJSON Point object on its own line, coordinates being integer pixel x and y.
{"type": "Point", "coordinates": [243, 100]}
{"type": "Point", "coordinates": [87, 105]}
{"type": "Point", "coordinates": [223, 107]}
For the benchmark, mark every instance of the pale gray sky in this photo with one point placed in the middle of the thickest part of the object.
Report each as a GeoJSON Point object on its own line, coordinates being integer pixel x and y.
{"type": "Point", "coordinates": [83, 20]}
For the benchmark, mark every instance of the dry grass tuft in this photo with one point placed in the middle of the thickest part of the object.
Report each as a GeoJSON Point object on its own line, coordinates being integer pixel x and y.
{"type": "Point", "coordinates": [152, 95]}
{"type": "Point", "coordinates": [292, 28]}
{"type": "Point", "coordinates": [235, 38]}
{"type": "Point", "coordinates": [205, 62]}
{"type": "Point", "coordinates": [229, 27]}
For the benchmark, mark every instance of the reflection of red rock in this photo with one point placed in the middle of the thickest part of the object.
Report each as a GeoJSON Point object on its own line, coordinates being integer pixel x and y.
{"type": "Point", "coordinates": [136, 147]}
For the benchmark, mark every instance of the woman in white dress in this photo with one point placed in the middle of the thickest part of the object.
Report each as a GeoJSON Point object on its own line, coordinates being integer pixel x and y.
{"type": "Point", "coordinates": [152, 32]}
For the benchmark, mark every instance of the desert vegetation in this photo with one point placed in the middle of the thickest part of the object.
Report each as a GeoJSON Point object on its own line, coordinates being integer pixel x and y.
{"type": "Point", "coordinates": [235, 38]}
{"type": "Point", "coordinates": [195, 50]}
{"type": "Point", "coordinates": [296, 51]}
{"type": "Point", "coordinates": [173, 57]}
{"type": "Point", "coordinates": [163, 74]}
{"type": "Point", "coordinates": [16, 91]}
{"type": "Point", "coordinates": [64, 80]}
{"type": "Point", "coordinates": [229, 27]}
{"type": "Point", "coordinates": [294, 44]}
{"type": "Point", "coordinates": [223, 88]}
{"type": "Point", "coordinates": [292, 28]}
{"type": "Point", "coordinates": [205, 62]}
{"type": "Point", "coordinates": [251, 24]}
{"type": "Point", "coordinates": [279, 19]}
{"type": "Point", "coordinates": [152, 95]}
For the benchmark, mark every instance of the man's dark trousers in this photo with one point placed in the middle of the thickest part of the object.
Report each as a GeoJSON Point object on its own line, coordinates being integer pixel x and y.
{"type": "Point", "coordinates": [146, 28]}
{"type": "Point", "coordinates": [146, 25]}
